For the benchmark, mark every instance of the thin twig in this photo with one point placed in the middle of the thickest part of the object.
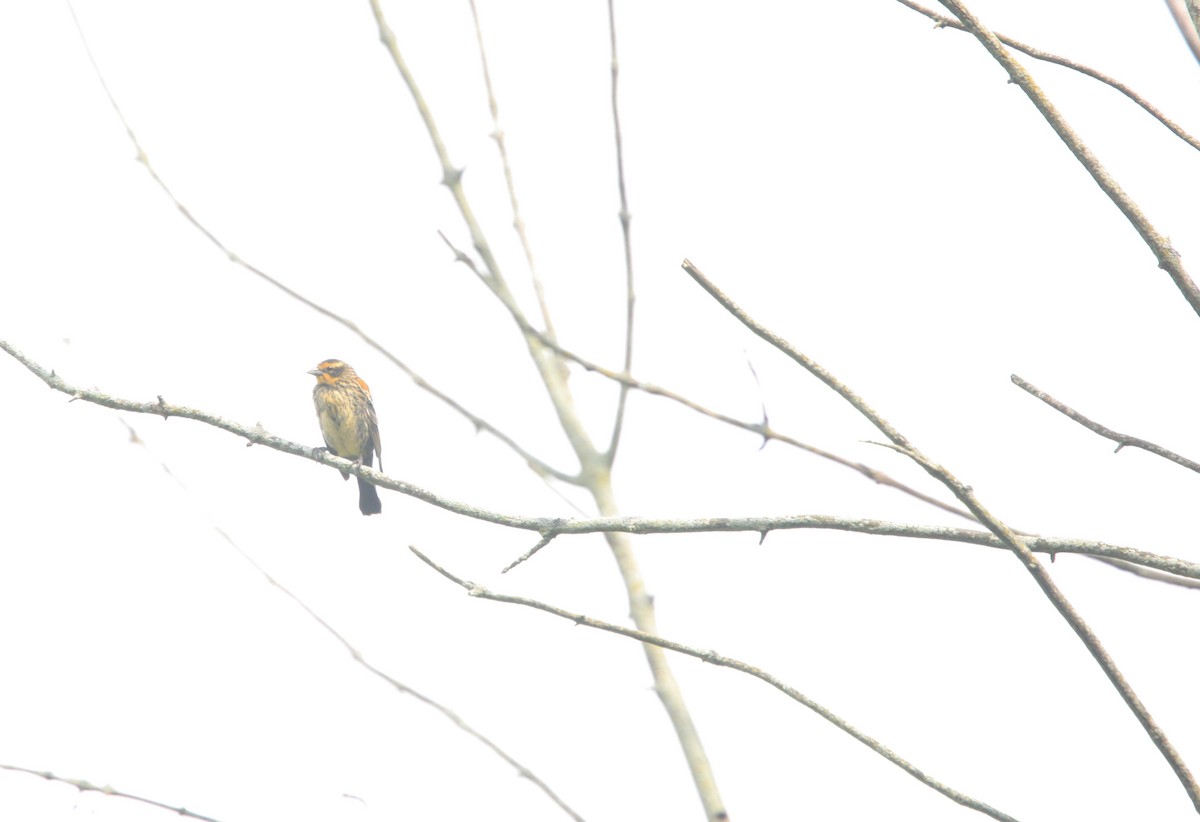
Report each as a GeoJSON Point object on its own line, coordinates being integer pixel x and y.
{"type": "Point", "coordinates": [502, 146]}
{"type": "Point", "coordinates": [713, 658]}
{"type": "Point", "coordinates": [1168, 258]}
{"type": "Point", "coordinates": [354, 652]}
{"type": "Point", "coordinates": [614, 440]}
{"type": "Point", "coordinates": [84, 785]}
{"type": "Point", "coordinates": [949, 22]}
{"type": "Point", "coordinates": [1122, 440]}
{"type": "Point", "coordinates": [966, 496]}
{"type": "Point", "coordinates": [1147, 573]}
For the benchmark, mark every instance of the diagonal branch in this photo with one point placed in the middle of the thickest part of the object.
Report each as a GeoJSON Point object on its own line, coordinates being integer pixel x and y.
{"type": "Point", "coordinates": [1046, 57]}
{"type": "Point", "coordinates": [713, 658]}
{"type": "Point", "coordinates": [1187, 18]}
{"type": "Point", "coordinates": [84, 785]}
{"type": "Point", "coordinates": [402, 688]}
{"type": "Point", "coordinates": [1168, 258]}
{"type": "Point", "coordinates": [1012, 540]}
{"type": "Point", "coordinates": [1122, 440]}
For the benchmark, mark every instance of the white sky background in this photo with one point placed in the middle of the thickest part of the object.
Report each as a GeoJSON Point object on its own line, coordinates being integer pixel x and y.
{"type": "Point", "coordinates": [869, 187]}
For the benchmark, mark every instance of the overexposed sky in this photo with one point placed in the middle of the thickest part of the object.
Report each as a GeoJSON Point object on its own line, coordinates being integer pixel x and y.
{"type": "Point", "coordinates": [869, 187]}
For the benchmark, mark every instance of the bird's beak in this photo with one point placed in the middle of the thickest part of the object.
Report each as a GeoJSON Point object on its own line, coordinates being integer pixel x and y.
{"type": "Point", "coordinates": [316, 372]}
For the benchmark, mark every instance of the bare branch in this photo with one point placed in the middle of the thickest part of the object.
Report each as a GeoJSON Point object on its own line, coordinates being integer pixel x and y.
{"type": "Point", "coordinates": [1046, 57]}
{"type": "Point", "coordinates": [1187, 18]}
{"type": "Point", "coordinates": [966, 496]}
{"type": "Point", "coordinates": [84, 785]}
{"type": "Point", "coordinates": [502, 147]}
{"type": "Point", "coordinates": [1146, 573]}
{"type": "Point", "coordinates": [1122, 440]}
{"type": "Point", "coordinates": [614, 440]}
{"type": "Point", "coordinates": [1168, 258]}
{"type": "Point", "coordinates": [713, 658]}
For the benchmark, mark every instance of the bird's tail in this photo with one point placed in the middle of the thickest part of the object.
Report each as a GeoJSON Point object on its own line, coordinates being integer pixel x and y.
{"type": "Point", "coordinates": [368, 498]}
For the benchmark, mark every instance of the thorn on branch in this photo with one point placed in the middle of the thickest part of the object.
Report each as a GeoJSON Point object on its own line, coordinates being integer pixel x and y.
{"type": "Point", "coordinates": [762, 536]}
{"type": "Point", "coordinates": [452, 177]}
{"type": "Point", "coordinates": [162, 407]}
{"type": "Point", "coordinates": [259, 432]}
{"type": "Point", "coordinates": [542, 543]}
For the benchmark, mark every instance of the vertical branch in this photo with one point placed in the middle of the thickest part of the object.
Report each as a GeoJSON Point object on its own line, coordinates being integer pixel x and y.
{"type": "Point", "coordinates": [641, 609]}
{"type": "Point", "coordinates": [595, 467]}
{"type": "Point", "coordinates": [619, 420]}
{"type": "Point", "coordinates": [502, 147]}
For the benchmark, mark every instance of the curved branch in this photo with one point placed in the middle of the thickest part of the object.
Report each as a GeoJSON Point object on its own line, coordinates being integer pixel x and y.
{"type": "Point", "coordinates": [357, 655]}
{"type": "Point", "coordinates": [713, 658]}
{"type": "Point", "coordinates": [1122, 440]}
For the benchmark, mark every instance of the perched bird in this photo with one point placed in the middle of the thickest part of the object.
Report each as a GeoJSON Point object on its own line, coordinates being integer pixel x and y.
{"type": "Point", "coordinates": [348, 423]}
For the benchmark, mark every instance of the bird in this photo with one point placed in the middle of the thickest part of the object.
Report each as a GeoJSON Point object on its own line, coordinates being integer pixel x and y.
{"type": "Point", "coordinates": [348, 423]}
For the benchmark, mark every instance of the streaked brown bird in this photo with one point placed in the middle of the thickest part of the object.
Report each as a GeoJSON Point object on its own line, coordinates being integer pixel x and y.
{"type": "Point", "coordinates": [348, 423]}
